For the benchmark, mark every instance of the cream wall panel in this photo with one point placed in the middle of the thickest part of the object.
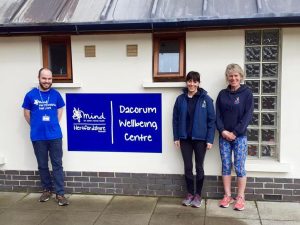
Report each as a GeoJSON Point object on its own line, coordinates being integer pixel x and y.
{"type": "Point", "coordinates": [112, 72]}
{"type": "Point", "coordinates": [20, 59]}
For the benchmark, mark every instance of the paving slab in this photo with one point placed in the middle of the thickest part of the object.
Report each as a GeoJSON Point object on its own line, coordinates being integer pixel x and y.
{"type": "Point", "coordinates": [279, 210]}
{"type": "Point", "coordinates": [122, 219]}
{"type": "Point", "coordinates": [131, 205]}
{"type": "Point", "coordinates": [213, 210]}
{"type": "Point", "coordinates": [31, 201]}
{"type": "Point", "coordinates": [7, 199]}
{"type": "Point", "coordinates": [23, 217]}
{"type": "Point", "coordinates": [71, 218]}
{"type": "Point", "coordinates": [90, 203]}
{"type": "Point", "coordinates": [230, 221]}
{"type": "Point", "coordinates": [282, 222]}
{"type": "Point", "coordinates": [173, 206]}
{"type": "Point", "coordinates": [179, 219]}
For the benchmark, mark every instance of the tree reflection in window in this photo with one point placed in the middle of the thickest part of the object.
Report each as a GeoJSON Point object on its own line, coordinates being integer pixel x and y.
{"type": "Point", "coordinates": [268, 135]}
{"type": "Point", "coordinates": [255, 119]}
{"type": "Point", "coordinates": [252, 134]}
{"type": "Point", "coordinates": [253, 85]}
{"type": "Point", "coordinates": [252, 150]}
{"type": "Point", "coordinates": [269, 103]}
{"type": "Point", "coordinates": [270, 69]}
{"type": "Point", "coordinates": [269, 87]}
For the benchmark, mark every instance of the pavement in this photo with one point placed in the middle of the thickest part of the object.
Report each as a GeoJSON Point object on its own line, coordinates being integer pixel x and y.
{"type": "Point", "coordinates": [25, 209]}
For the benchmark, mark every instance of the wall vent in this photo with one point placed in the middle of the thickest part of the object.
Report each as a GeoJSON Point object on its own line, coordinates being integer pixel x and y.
{"type": "Point", "coordinates": [90, 51]}
{"type": "Point", "coordinates": [132, 50]}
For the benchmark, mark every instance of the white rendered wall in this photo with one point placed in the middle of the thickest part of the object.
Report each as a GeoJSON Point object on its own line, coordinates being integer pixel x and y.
{"type": "Point", "coordinates": [290, 103]}
{"type": "Point", "coordinates": [112, 72]}
{"type": "Point", "coordinates": [20, 59]}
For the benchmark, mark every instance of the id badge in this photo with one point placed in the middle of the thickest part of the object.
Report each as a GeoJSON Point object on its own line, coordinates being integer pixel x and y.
{"type": "Point", "coordinates": [46, 118]}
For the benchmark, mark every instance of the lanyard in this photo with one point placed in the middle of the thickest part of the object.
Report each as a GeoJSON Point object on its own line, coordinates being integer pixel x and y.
{"type": "Point", "coordinates": [42, 97]}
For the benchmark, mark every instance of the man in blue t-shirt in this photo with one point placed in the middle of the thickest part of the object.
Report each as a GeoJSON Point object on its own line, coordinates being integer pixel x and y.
{"type": "Point", "coordinates": [43, 108]}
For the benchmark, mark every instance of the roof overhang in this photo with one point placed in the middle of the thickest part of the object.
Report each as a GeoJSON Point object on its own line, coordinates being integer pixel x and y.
{"type": "Point", "coordinates": [145, 26]}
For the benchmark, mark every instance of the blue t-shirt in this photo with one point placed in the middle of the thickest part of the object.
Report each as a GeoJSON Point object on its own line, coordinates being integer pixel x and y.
{"type": "Point", "coordinates": [43, 107]}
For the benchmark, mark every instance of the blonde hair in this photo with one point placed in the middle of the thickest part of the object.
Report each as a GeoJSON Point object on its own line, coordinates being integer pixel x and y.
{"type": "Point", "coordinates": [235, 68]}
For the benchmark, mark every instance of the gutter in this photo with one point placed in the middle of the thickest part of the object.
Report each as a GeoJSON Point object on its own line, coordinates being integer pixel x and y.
{"type": "Point", "coordinates": [151, 26]}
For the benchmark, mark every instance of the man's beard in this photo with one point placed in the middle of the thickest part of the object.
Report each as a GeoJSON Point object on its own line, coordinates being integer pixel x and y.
{"type": "Point", "coordinates": [45, 88]}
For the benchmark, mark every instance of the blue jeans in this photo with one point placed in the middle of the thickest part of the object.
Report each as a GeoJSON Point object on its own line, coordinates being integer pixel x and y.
{"type": "Point", "coordinates": [52, 148]}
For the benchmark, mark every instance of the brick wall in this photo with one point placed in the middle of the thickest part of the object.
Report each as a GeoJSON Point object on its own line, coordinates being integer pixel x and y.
{"type": "Point", "coordinates": [278, 189]}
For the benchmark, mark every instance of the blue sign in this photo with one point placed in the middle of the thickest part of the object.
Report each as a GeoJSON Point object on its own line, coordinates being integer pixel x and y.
{"type": "Point", "coordinates": [114, 122]}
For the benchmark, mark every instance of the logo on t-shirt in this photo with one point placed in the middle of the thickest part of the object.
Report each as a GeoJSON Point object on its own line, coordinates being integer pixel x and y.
{"type": "Point", "coordinates": [43, 105]}
{"type": "Point", "coordinates": [37, 102]}
{"type": "Point", "coordinates": [237, 100]}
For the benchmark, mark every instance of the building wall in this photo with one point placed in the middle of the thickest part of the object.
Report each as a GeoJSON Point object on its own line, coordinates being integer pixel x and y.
{"type": "Point", "coordinates": [112, 72]}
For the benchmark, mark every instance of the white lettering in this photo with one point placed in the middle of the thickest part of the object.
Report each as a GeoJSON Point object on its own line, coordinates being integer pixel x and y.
{"type": "Point", "coordinates": [100, 129]}
{"type": "Point", "coordinates": [137, 110]}
{"type": "Point", "coordinates": [135, 123]}
{"type": "Point", "coordinates": [139, 137]}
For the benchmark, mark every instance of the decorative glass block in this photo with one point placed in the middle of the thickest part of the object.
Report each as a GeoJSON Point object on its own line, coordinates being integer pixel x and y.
{"type": "Point", "coordinates": [262, 72]}
{"type": "Point", "coordinates": [255, 119]}
{"type": "Point", "coordinates": [252, 54]}
{"type": "Point", "coordinates": [268, 135]}
{"type": "Point", "coordinates": [252, 135]}
{"type": "Point", "coordinates": [270, 69]}
{"type": "Point", "coordinates": [253, 85]}
{"type": "Point", "coordinates": [269, 103]}
{"type": "Point", "coordinates": [256, 102]}
{"type": "Point", "coordinates": [270, 53]}
{"type": "Point", "coordinates": [268, 119]}
{"type": "Point", "coordinates": [253, 37]}
{"type": "Point", "coordinates": [271, 37]}
{"type": "Point", "coordinates": [268, 150]}
{"type": "Point", "coordinates": [252, 150]}
{"type": "Point", "coordinates": [252, 70]}
{"type": "Point", "coordinates": [269, 87]}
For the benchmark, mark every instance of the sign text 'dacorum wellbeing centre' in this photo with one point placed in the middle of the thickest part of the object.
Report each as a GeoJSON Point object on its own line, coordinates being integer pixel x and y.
{"type": "Point", "coordinates": [114, 122]}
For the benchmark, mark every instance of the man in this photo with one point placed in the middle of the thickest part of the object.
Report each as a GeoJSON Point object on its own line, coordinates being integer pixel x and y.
{"type": "Point", "coordinates": [43, 108]}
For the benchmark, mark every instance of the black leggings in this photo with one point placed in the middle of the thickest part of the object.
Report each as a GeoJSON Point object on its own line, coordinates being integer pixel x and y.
{"type": "Point", "coordinates": [187, 148]}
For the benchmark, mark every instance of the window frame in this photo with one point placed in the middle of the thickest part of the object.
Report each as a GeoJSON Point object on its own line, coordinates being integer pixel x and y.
{"type": "Point", "coordinates": [46, 41]}
{"type": "Point", "coordinates": [157, 38]}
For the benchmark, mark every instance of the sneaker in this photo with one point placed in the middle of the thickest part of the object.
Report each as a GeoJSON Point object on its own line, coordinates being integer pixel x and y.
{"type": "Point", "coordinates": [45, 196]}
{"type": "Point", "coordinates": [226, 201]}
{"type": "Point", "coordinates": [62, 201]}
{"type": "Point", "coordinates": [239, 204]}
{"type": "Point", "coordinates": [197, 201]}
{"type": "Point", "coordinates": [188, 199]}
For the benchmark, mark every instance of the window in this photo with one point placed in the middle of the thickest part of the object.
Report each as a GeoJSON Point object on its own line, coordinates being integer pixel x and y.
{"type": "Point", "coordinates": [169, 57]}
{"type": "Point", "coordinates": [262, 66]}
{"type": "Point", "coordinates": [57, 57]}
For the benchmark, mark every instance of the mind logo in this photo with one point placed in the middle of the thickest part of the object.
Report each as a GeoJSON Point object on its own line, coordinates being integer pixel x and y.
{"type": "Point", "coordinates": [36, 102]}
{"type": "Point", "coordinates": [77, 114]}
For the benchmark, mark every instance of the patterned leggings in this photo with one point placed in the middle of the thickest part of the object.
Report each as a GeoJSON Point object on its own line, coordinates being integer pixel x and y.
{"type": "Point", "coordinates": [240, 149]}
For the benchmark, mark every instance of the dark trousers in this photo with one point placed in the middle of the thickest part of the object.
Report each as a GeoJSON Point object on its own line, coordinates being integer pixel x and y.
{"type": "Point", "coordinates": [199, 148]}
{"type": "Point", "coordinates": [52, 148]}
